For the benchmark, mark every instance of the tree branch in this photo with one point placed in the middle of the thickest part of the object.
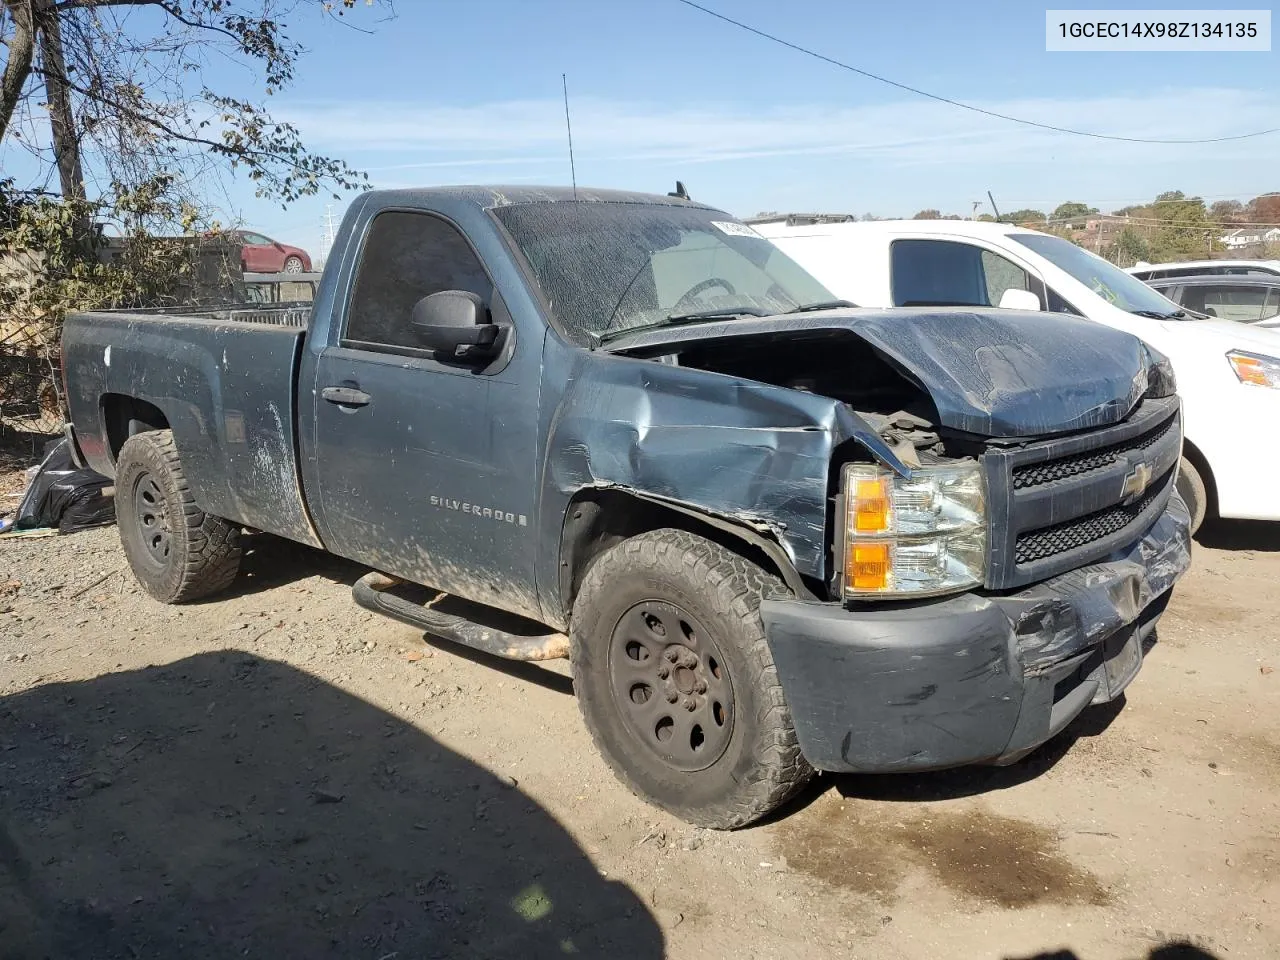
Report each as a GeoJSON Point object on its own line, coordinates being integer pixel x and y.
{"type": "Point", "coordinates": [17, 68]}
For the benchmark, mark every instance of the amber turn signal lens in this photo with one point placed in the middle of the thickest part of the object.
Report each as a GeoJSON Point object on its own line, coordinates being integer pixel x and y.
{"type": "Point", "coordinates": [871, 505]}
{"type": "Point", "coordinates": [1250, 370]}
{"type": "Point", "coordinates": [868, 566]}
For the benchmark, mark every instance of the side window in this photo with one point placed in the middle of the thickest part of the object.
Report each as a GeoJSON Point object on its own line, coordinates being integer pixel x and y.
{"type": "Point", "coordinates": [1002, 275]}
{"type": "Point", "coordinates": [406, 257]}
{"type": "Point", "coordinates": [1273, 304]}
{"type": "Point", "coordinates": [1242, 304]}
{"type": "Point", "coordinates": [1058, 305]}
{"type": "Point", "coordinates": [256, 239]}
{"type": "Point", "coordinates": [1192, 297]}
{"type": "Point", "coordinates": [950, 273]}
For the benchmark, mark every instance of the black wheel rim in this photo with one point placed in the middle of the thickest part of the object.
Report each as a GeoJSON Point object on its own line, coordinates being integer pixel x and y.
{"type": "Point", "coordinates": [671, 685]}
{"type": "Point", "coordinates": [150, 508]}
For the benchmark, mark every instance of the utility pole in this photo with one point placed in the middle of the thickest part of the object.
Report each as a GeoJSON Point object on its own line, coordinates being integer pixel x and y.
{"type": "Point", "coordinates": [329, 232]}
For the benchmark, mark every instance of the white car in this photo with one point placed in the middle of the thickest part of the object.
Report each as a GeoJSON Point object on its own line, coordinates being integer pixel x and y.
{"type": "Point", "coordinates": [1205, 268]}
{"type": "Point", "coordinates": [1228, 373]}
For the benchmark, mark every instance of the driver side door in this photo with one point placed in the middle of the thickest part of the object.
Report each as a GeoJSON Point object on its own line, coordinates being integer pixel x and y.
{"type": "Point", "coordinates": [426, 468]}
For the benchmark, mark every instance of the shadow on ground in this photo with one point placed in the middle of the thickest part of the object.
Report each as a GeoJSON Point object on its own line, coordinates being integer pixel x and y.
{"type": "Point", "coordinates": [1240, 535]}
{"type": "Point", "coordinates": [227, 806]}
{"type": "Point", "coordinates": [1170, 951]}
{"type": "Point", "coordinates": [271, 562]}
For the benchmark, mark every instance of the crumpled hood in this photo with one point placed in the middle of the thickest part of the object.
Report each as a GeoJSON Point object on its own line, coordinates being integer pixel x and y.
{"type": "Point", "coordinates": [997, 373]}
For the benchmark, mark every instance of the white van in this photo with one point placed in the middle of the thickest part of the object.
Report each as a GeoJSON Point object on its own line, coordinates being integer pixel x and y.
{"type": "Point", "coordinates": [1228, 373]}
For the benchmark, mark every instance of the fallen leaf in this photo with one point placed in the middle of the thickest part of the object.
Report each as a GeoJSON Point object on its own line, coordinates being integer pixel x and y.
{"type": "Point", "coordinates": [413, 656]}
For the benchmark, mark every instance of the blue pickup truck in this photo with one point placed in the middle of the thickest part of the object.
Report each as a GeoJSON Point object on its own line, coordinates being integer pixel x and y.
{"type": "Point", "coordinates": [773, 533]}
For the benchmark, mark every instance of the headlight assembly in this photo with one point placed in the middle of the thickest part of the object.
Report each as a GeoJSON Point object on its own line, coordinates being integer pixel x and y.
{"type": "Point", "coordinates": [915, 537]}
{"type": "Point", "coordinates": [1255, 369]}
{"type": "Point", "coordinates": [1160, 379]}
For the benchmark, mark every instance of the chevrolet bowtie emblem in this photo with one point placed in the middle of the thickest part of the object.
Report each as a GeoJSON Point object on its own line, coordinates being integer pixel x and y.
{"type": "Point", "coordinates": [1135, 482]}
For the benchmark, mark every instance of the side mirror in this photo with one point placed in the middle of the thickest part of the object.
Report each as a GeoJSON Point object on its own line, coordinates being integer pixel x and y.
{"type": "Point", "coordinates": [455, 323]}
{"type": "Point", "coordinates": [1015, 299]}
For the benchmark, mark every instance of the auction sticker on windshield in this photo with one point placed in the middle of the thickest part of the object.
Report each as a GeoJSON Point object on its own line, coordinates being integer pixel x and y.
{"type": "Point", "coordinates": [734, 229]}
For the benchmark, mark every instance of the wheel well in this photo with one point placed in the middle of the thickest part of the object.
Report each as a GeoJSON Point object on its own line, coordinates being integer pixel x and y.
{"type": "Point", "coordinates": [123, 416]}
{"type": "Point", "coordinates": [1193, 454]}
{"type": "Point", "coordinates": [598, 519]}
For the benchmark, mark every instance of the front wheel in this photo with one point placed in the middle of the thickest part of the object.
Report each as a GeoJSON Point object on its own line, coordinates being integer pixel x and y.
{"type": "Point", "coordinates": [676, 682]}
{"type": "Point", "coordinates": [177, 551]}
{"type": "Point", "coordinates": [293, 265]}
{"type": "Point", "coordinates": [1192, 489]}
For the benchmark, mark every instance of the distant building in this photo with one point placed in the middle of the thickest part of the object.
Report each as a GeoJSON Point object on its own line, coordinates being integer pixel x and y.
{"type": "Point", "coordinates": [1250, 237]}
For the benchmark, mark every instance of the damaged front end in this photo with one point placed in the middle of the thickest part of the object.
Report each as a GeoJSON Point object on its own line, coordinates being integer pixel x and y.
{"type": "Point", "coordinates": [976, 677]}
{"type": "Point", "coordinates": [1000, 437]}
{"type": "Point", "coordinates": [987, 519]}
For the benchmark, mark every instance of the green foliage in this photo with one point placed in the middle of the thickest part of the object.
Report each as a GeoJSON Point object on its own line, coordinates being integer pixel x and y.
{"type": "Point", "coordinates": [48, 270]}
{"type": "Point", "coordinates": [1024, 216]}
{"type": "Point", "coordinates": [1128, 249]}
{"type": "Point", "coordinates": [1228, 212]}
{"type": "Point", "coordinates": [1072, 211]}
{"type": "Point", "coordinates": [1182, 232]}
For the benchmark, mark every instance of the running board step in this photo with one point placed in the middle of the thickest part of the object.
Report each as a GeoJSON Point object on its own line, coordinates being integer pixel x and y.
{"type": "Point", "coordinates": [516, 638]}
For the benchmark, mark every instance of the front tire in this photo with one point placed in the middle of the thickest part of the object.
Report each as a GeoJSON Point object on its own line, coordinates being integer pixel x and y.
{"type": "Point", "coordinates": [1191, 487]}
{"type": "Point", "coordinates": [293, 265]}
{"type": "Point", "coordinates": [676, 681]}
{"type": "Point", "coordinates": [176, 550]}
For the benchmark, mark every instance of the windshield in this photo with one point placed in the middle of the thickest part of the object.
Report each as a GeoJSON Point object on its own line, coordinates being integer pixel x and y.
{"type": "Point", "coordinates": [1107, 281]}
{"type": "Point", "coordinates": [609, 267]}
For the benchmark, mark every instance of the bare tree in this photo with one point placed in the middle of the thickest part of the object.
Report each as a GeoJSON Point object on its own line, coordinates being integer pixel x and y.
{"type": "Point", "coordinates": [128, 109]}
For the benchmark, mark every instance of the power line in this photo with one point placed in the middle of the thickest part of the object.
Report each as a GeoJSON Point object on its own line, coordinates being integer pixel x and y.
{"type": "Point", "coordinates": [958, 103]}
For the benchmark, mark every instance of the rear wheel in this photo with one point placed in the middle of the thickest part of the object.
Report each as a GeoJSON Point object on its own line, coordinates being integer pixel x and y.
{"type": "Point", "coordinates": [176, 550]}
{"type": "Point", "coordinates": [1194, 493]}
{"type": "Point", "coordinates": [676, 681]}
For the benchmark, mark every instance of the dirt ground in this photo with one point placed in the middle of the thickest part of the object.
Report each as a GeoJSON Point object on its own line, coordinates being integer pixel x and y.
{"type": "Point", "coordinates": [281, 774]}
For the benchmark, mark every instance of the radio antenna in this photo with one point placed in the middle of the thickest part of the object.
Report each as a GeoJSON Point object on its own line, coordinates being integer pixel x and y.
{"type": "Point", "coordinates": [564, 83]}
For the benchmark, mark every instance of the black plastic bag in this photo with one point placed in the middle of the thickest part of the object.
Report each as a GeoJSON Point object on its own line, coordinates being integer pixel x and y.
{"type": "Point", "coordinates": [64, 496]}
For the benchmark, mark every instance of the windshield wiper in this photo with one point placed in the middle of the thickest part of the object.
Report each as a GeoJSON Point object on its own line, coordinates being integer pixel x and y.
{"type": "Point", "coordinates": [822, 305]}
{"type": "Point", "coordinates": [679, 319]}
{"type": "Point", "coordinates": [1157, 315]}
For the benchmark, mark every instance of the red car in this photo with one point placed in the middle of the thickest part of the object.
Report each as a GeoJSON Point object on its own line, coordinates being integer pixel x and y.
{"type": "Point", "coordinates": [259, 254]}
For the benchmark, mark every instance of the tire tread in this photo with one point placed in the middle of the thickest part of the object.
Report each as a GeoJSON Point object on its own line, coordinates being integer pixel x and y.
{"type": "Point", "coordinates": [737, 587]}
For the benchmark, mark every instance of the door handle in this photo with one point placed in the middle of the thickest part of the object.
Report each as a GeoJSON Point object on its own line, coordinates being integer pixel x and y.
{"type": "Point", "coordinates": [345, 396]}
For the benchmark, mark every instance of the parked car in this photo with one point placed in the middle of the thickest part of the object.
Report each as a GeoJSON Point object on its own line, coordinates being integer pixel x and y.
{"type": "Point", "coordinates": [260, 254]}
{"type": "Point", "coordinates": [1228, 373]}
{"type": "Point", "coordinates": [1252, 299]}
{"type": "Point", "coordinates": [780, 535]}
{"type": "Point", "coordinates": [1205, 268]}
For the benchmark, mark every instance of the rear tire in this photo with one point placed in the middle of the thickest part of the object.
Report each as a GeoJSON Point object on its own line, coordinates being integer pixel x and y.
{"type": "Point", "coordinates": [176, 550]}
{"type": "Point", "coordinates": [1194, 493]}
{"type": "Point", "coordinates": [676, 681]}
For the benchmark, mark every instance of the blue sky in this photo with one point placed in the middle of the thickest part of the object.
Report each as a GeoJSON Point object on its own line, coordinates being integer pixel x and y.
{"type": "Point", "coordinates": [468, 91]}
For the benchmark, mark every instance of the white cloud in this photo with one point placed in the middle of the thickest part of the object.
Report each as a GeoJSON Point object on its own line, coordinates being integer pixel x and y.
{"type": "Point", "coordinates": [531, 132]}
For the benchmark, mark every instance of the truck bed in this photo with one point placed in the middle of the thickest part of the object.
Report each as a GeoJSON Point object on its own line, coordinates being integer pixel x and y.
{"type": "Point", "coordinates": [227, 389]}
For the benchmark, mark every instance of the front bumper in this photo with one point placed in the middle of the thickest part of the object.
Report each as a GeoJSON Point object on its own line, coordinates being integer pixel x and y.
{"type": "Point", "coordinates": [972, 678]}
